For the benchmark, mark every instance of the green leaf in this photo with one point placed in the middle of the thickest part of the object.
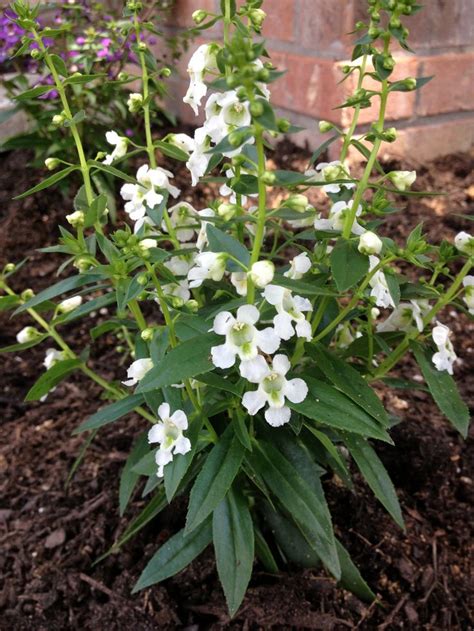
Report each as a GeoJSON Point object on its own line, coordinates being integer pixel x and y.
{"type": "Point", "coordinates": [8, 302]}
{"type": "Point", "coordinates": [73, 282]}
{"type": "Point", "coordinates": [215, 478]}
{"type": "Point", "coordinates": [129, 479]}
{"type": "Point", "coordinates": [335, 458]}
{"type": "Point", "coordinates": [351, 578]}
{"type": "Point", "coordinates": [86, 308]}
{"type": "Point", "coordinates": [82, 78]}
{"type": "Point", "coordinates": [443, 390]}
{"type": "Point", "coordinates": [21, 347]}
{"type": "Point", "coordinates": [175, 555]}
{"type": "Point", "coordinates": [400, 86]}
{"type": "Point", "coordinates": [330, 407]}
{"type": "Point", "coordinates": [110, 413]}
{"type": "Point", "coordinates": [233, 537]}
{"type": "Point", "coordinates": [59, 64]}
{"type": "Point", "coordinates": [322, 148]}
{"type": "Point", "coordinates": [298, 499]}
{"type": "Point", "coordinates": [376, 475]}
{"type": "Point", "coordinates": [348, 380]}
{"type": "Point", "coordinates": [303, 287]}
{"type": "Point", "coordinates": [189, 359]}
{"type": "Point", "coordinates": [348, 264]}
{"type": "Point", "coordinates": [175, 471]}
{"type": "Point", "coordinates": [51, 378]}
{"type": "Point", "coordinates": [171, 150]}
{"type": "Point", "coordinates": [49, 181]}
{"type": "Point", "coordinates": [221, 242]}
{"type": "Point", "coordinates": [34, 92]}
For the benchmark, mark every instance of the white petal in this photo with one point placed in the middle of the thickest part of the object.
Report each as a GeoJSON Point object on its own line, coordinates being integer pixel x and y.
{"type": "Point", "coordinates": [254, 401]}
{"type": "Point", "coordinates": [276, 417]}
{"type": "Point", "coordinates": [268, 340]}
{"type": "Point", "coordinates": [281, 364]}
{"type": "Point", "coordinates": [302, 304]}
{"type": "Point", "coordinates": [164, 411]}
{"type": "Point", "coordinates": [283, 326]}
{"type": "Point", "coordinates": [180, 419]}
{"type": "Point", "coordinates": [156, 433]}
{"type": "Point", "coordinates": [303, 329]}
{"type": "Point", "coordinates": [249, 314]}
{"type": "Point", "coordinates": [254, 370]}
{"type": "Point", "coordinates": [222, 322]}
{"type": "Point", "coordinates": [296, 390]}
{"type": "Point", "coordinates": [223, 356]}
{"type": "Point", "coordinates": [182, 445]}
{"type": "Point", "coordinates": [274, 294]}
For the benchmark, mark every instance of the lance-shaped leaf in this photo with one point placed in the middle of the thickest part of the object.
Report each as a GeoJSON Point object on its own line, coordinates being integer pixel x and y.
{"type": "Point", "coordinates": [348, 264]}
{"type": "Point", "coordinates": [110, 413]}
{"type": "Point", "coordinates": [73, 282]}
{"type": "Point", "coordinates": [51, 378]}
{"type": "Point", "coordinates": [49, 181]}
{"type": "Point", "coordinates": [128, 478]}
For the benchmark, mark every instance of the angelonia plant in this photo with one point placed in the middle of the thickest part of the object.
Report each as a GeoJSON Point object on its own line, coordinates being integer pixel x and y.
{"type": "Point", "coordinates": [91, 39]}
{"type": "Point", "coordinates": [253, 330]}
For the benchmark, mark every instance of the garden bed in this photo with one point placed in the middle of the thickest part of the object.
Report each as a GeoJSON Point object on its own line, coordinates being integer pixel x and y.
{"type": "Point", "coordinates": [51, 536]}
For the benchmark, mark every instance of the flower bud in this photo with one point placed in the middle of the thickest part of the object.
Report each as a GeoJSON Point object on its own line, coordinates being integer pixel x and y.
{"type": "Point", "coordinates": [142, 280]}
{"type": "Point", "coordinates": [232, 81]}
{"type": "Point", "coordinates": [268, 178]}
{"type": "Point", "coordinates": [147, 335]}
{"type": "Point", "coordinates": [464, 243]}
{"type": "Point", "coordinates": [226, 211]}
{"type": "Point", "coordinates": [199, 16]}
{"type": "Point", "coordinates": [297, 202]}
{"type": "Point", "coordinates": [28, 334]}
{"type": "Point", "coordinates": [374, 313]}
{"type": "Point", "coordinates": [283, 125]}
{"type": "Point", "coordinates": [122, 76]}
{"type": "Point", "coordinates": [58, 120]}
{"type": "Point", "coordinates": [257, 16]}
{"type": "Point", "coordinates": [83, 263]}
{"type": "Point", "coordinates": [27, 294]}
{"type": "Point", "coordinates": [9, 267]}
{"type": "Point", "coordinates": [135, 102]}
{"type": "Point", "coordinates": [192, 305]}
{"type": "Point", "coordinates": [142, 47]}
{"type": "Point", "coordinates": [166, 72]}
{"type": "Point", "coordinates": [51, 163]}
{"type": "Point", "coordinates": [76, 219]}
{"type": "Point", "coordinates": [261, 273]}
{"type": "Point", "coordinates": [369, 243]}
{"type": "Point", "coordinates": [236, 138]}
{"type": "Point", "coordinates": [402, 180]}
{"type": "Point", "coordinates": [70, 304]}
{"type": "Point", "coordinates": [390, 134]}
{"type": "Point", "coordinates": [325, 126]}
{"type": "Point", "coordinates": [256, 108]}
{"type": "Point", "coordinates": [35, 53]}
{"type": "Point", "coordinates": [409, 83]}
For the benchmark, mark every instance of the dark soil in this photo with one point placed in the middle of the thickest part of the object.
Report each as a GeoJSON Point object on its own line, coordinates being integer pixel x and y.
{"type": "Point", "coordinates": [50, 536]}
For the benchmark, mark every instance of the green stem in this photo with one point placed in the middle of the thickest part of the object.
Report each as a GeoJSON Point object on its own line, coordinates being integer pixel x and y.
{"type": "Point", "coordinates": [137, 314]}
{"type": "Point", "coordinates": [404, 345]}
{"type": "Point", "coordinates": [350, 132]}
{"type": "Point", "coordinates": [261, 213]}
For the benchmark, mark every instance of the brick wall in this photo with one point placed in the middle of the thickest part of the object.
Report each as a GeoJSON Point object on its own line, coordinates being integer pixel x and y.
{"type": "Point", "coordinates": [308, 39]}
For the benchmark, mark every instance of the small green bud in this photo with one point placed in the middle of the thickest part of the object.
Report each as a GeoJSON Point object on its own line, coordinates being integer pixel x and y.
{"type": "Point", "coordinates": [236, 138]}
{"type": "Point", "coordinates": [27, 294]}
{"type": "Point", "coordinates": [395, 22]}
{"type": "Point", "coordinates": [232, 81]}
{"type": "Point", "coordinates": [35, 53]}
{"type": "Point", "coordinates": [147, 335]}
{"type": "Point", "coordinates": [192, 305]}
{"type": "Point", "coordinates": [359, 26]}
{"type": "Point", "coordinates": [83, 263]}
{"type": "Point", "coordinates": [390, 134]}
{"type": "Point", "coordinates": [346, 69]}
{"type": "Point", "coordinates": [238, 161]}
{"type": "Point", "coordinates": [256, 108]}
{"type": "Point", "coordinates": [58, 120]}
{"type": "Point", "coordinates": [297, 202]}
{"type": "Point", "coordinates": [257, 16]}
{"type": "Point", "coordinates": [51, 163]}
{"type": "Point", "coordinates": [122, 76]}
{"type": "Point", "coordinates": [374, 32]}
{"type": "Point", "coordinates": [166, 72]}
{"type": "Point", "coordinates": [142, 47]}
{"type": "Point", "coordinates": [199, 16]}
{"type": "Point", "coordinates": [410, 83]}
{"type": "Point", "coordinates": [9, 267]}
{"type": "Point", "coordinates": [142, 280]}
{"type": "Point", "coordinates": [263, 75]}
{"type": "Point", "coordinates": [389, 63]}
{"type": "Point", "coordinates": [325, 126]}
{"type": "Point", "coordinates": [226, 211]}
{"type": "Point", "coordinates": [283, 125]}
{"type": "Point", "coordinates": [120, 349]}
{"type": "Point", "coordinates": [135, 102]}
{"type": "Point", "coordinates": [76, 219]}
{"type": "Point", "coordinates": [268, 178]}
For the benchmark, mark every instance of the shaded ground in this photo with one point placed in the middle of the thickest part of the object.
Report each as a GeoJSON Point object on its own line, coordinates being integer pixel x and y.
{"type": "Point", "coordinates": [50, 536]}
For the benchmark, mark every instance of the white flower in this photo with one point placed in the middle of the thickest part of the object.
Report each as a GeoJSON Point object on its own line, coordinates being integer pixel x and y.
{"type": "Point", "coordinates": [468, 283]}
{"type": "Point", "coordinates": [69, 304]}
{"type": "Point", "coordinates": [408, 316]}
{"type": "Point", "coordinates": [137, 370]}
{"type": "Point", "coordinates": [208, 265]}
{"type": "Point", "coordinates": [202, 240]}
{"type": "Point", "coordinates": [182, 141]}
{"type": "Point", "coordinates": [343, 335]}
{"type": "Point", "coordinates": [369, 243]}
{"type": "Point", "coordinates": [169, 434]}
{"type": "Point", "coordinates": [337, 216]}
{"type": "Point", "coordinates": [147, 244]}
{"type": "Point", "coordinates": [28, 334]}
{"type": "Point", "coordinates": [120, 143]}
{"type": "Point", "coordinates": [135, 102]}
{"type": "Point", "coordinates": [445, 357]}
{"type": "Point", "coordinates": [402, 180]}
{"type": "Point", "coordinates": [378, 282]}
{"type": "Point", "coordinates": [182, 216]}
{"type": "Point", "coordinates": [298, 266]}
{"type": "Point", "coordinates": [290, 309]}
{"type": "Point", "coordinates": [242, 338]}
{"type": "Point", "coordinates": [202, 60]}
{"type": "Point", "coordinates": [328, 172]}
{"type": "Point", "coordinates": [179, 265]}
{"type": "Point", "coordinates": [144, 192]}
{"type": "Point", "coordinates": [199, 159]}
{"type": "Point", "coordinates": [261, 273]}
{"type": "Point", "coordinates": [239, 281]}
{"type": "Point", "coordinates": [52, 357]}
{"type": "Point", "coordinates": [273, 389]}
{"type": "Point", "coordinates": [178, 290]}
{"type": "Point", "coordinates": [76, 219]}
{"type": "Point", "coordinates": [464, 243]}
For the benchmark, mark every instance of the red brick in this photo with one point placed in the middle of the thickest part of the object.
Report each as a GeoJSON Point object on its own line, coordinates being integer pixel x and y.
{"type": "Point", "coordinates": [309, 86]}
{"type": "Point", "coordinates": [400, 104]}
{"type": "Point", "coordinates": [323, 26]}
{"type": "Point", "coordinates": [451, 89]}
{"type": "Point", "coordinates": [280, 20]}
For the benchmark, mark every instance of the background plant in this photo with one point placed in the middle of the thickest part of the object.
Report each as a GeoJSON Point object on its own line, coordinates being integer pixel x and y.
{"type": "Point", "coordinates": [254, 332]}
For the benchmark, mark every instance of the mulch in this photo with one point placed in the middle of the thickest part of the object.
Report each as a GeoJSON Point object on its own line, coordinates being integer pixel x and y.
{"type": "Point", "coordinates": [50, 535]}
